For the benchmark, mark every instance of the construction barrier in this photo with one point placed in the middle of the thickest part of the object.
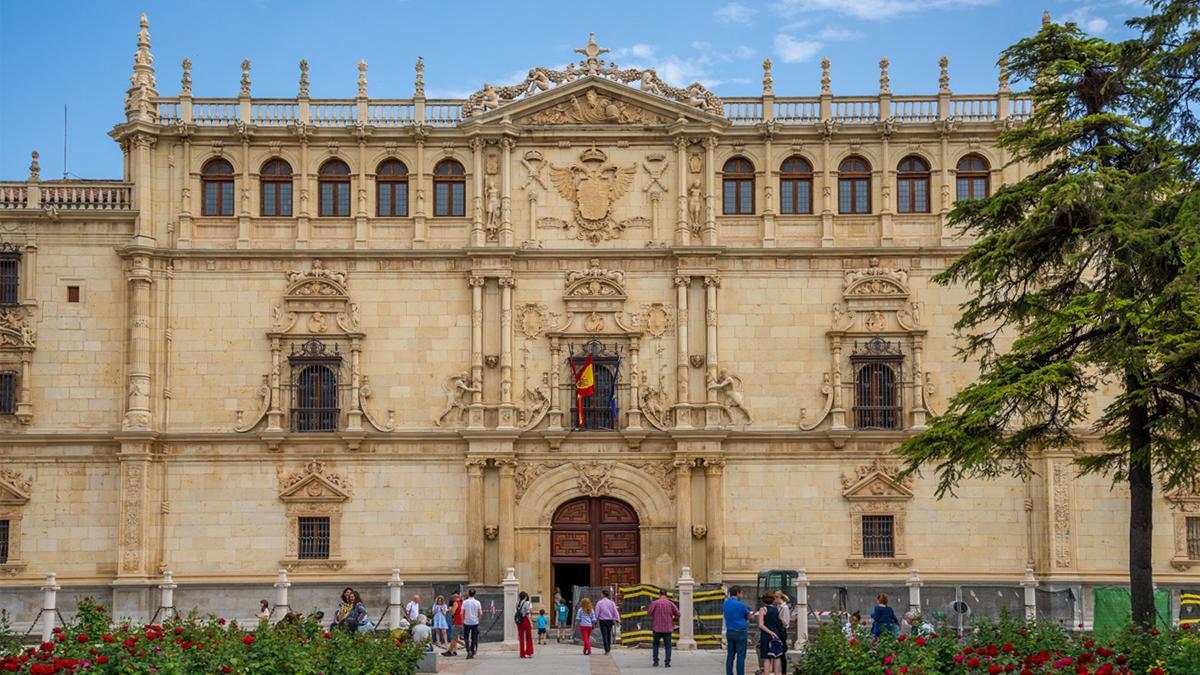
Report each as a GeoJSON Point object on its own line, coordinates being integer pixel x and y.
{"type": "Point", "coordinates": [1189, 608]}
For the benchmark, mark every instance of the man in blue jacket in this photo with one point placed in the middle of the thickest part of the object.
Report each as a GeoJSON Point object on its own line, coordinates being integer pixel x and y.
{"type": "Point", "coordinates": [736, 613]}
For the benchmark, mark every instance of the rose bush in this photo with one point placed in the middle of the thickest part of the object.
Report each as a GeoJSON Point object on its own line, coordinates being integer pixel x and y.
{"type": "Point", "coordinates": [1003, 647]}
{"type": "Point", "coordinates": [90, 643]}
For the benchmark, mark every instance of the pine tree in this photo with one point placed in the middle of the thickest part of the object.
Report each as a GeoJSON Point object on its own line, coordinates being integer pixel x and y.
{"type": "Point", "coordinates": [1086, 274]}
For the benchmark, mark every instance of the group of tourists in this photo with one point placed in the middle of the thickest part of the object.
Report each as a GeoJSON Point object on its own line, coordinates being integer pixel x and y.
{"type": "Point", "coordinates": [883, 620]}
{"type": "Point", "coordinates": [772, 617]}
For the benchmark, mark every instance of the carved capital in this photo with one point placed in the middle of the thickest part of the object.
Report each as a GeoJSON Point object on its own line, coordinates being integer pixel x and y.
{"type": "Point", "coordinates": [475, 281]}
{"type": "Point", "coordinates": [683, 281]}
{"type": "Point", "coordinates": [712, 281]}
{"type": "Point", "coordinates": [507, 282]}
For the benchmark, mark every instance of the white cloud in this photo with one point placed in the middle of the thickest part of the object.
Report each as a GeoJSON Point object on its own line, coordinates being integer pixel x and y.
{"type": "Point", "coordinates": [735, 12]}
{"type": "Point", "coordinates": [869, 9]}
{"type": "Point", "coordinates": [701, 45]}
{"type": "Point", "coordinates": [741, 52]}
{"type": "Point", "coordinates": [1086, 18]}
{"type": "Point", "coordinates": [831, 34]}
{"type": "Point", "coordinates": [791, 50]}
{"type": "Point", "coordinates": [675, 70]}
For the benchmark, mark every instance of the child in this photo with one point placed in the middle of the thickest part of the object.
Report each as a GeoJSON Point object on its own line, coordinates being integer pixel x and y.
{"type": "Point", "coordinates": [542, 626]}
{"type": "Point", "coordinates": [564, 620]}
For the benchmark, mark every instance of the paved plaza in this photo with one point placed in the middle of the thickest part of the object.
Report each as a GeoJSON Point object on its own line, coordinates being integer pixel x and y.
{"type": "Point", "coordinates": [563, 659]}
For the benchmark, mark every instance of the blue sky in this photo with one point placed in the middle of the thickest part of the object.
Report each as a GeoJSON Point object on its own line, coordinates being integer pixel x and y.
{"type": "Point", "coordinates": [79, 53]}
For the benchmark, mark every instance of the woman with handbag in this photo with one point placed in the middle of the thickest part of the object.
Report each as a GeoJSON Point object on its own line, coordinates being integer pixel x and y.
{"type": "Point", "coordinates": [524, 626]}
{"type": "Point", "coordinates": [770, 642]}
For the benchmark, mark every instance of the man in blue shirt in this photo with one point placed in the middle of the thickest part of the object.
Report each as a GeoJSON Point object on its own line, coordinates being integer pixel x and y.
{"type": "Point", "coordinates": [736, 613]}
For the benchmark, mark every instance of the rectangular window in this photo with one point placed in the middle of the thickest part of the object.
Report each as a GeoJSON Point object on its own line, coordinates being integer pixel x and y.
{"type": "Point", "coordinates": [904, 196]}
{"type": "Point", "coordinates": [335, 199]}
{"type": "Point", "coordinates": [218, 198]}
{"type": "Point", "coordinates": [600, 410]}
{"type": "Point", "coordinates": [72, 294]}
{"type": "Point", "coordinates": [314, 537]}
{"type": "Point", "coordinates": [921, 196]}
{"type": "Point", "coordinates": [10, 275]}
{"type": "Point", "coordinates": [796, 196]}
{"type": "Point", "coordinates": [853, 195]}
{"type": "Point", "coordinates": [277, 199]}
{"type": "Point", "coordinates": [393, 200]}
{"type": "Point", "coordinates": [449, 199]}
{"type": "Point", "coordinates": [270, 194]}
{"type": "Point", "coordinates": [729, 198]}
{"type": "Point", "coordinates": [1193, 538]}
{"type": "Point", "coordinates": [745, 197]}
{"type": "Point", "coordinates": [8, 392]}
{"type": "Point", "coordinates": [963, 189]}
{"type": "Point", "coordinates": [878, 534]}
{"type": "Point", "coordinates": [4, 541]}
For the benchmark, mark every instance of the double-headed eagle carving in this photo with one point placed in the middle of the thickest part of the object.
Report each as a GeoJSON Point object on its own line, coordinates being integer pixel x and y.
{"type": "Point", "coordinates": [593, 186]}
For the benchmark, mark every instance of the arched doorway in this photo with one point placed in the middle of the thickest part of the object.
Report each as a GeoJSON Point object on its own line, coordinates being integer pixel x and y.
{"type": "Point", "coordinates": [594, 541]}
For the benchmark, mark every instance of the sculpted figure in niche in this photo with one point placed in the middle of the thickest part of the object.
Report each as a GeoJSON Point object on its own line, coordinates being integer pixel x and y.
{"type": "Point", "coordinates": [726, 385]}
{"type": "Point", "coordinates": [492, 207]}
{"type": "Point", "coordinates": [695, 205]}
{"type": "Point", "coordinates": [458, 395]}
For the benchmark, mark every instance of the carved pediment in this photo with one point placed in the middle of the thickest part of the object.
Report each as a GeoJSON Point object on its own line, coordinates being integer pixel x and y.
{"type": "Point", "coordinates": [875, 281]}
{"type": "Point", "coordinates": [594, 107]}
{"type": "Point", "coordinates": [595, 282]}
{"type": "Point", "coordinates": [316, 302]}
{"type": "Point", "coordinates": [314, 484]}
{"type": "Point", "coordinates": [876, 481]}
{"type": "Point", "coordinates": [14, 488]}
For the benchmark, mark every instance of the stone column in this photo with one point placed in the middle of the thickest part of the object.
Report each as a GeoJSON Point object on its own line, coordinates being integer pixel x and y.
{"type": "Point", "coordinates": [395, 599]}
{"type": "Point", "coordinates": [687, 624]}
{"type": "Point", "coordinates": [303, 225]}
{"type": "Point", "coordinates": [364, 199]}
{"type": "Point", "coordinates": [282, 605]}
{"type": "Point", "coordinates": [769, 185]}
{"type": "Point", "coordinates": [914, 584]}
{"type": "Point", "coordinates": [683, 417]}
{"type": "Point", "coordinates": [801, 608]}
{"type": "Point", "coordinates": [475, 520]}
{"type": "Point", "coordinates": [886, 182]}
{"type": "Point", "coordinates": [837, 412]}
{"type": "Point", "coordinates": [508, 512]}
{"type": "Point", "coordinates": [634, 418]}
{"type": "Point", "coordinates": [710, 211]}
{"type": "Point", "coordinates": [683, 511]}
{"type": "Point", "coordinates": [137, 408]}
{"type": "Point", "coordinates": [712, 410]}
{"type": "Point", "coordinates": [166, 595]}
{"type": "Point", "coordinates": [507, 411]}
{"type": "Point", "coordinates": [556, 360]}
{"type": "Point", "coordinates": [475, 410]}
{"type": "Point", "coordinates": [243, 210]}
{"type": "Point", "coordinates": [714, 517]}
{"type": "Point", "coordinates": [477, 234]}
{"type": "Point", "coordinates": [274, 412]}
{"type": "Point", "coordinates": [143, 189]}
{"type": "Point", "coordinates": [1030, 584]}
{"type": "Point", "coordinates": [918, 406]}
{"type": "Point", "coordinates": [511, 585]}
{"type": "Point", "coordinates": [188, 182]}
{"type": "Point", "coordinates": [827, 188]}
{"type": "Point", "coordinates": [682, 229]}
{"type": "Point", "coordinates": [29, 274]}
{"type": "Point", "coordinates": [419, 233]}
{"type": "Point", "coordinates": [354, 414]}
{"type": "Point", "coordinates": [506, 227]}
{"type": "Point", "coordinates": [49, 606]}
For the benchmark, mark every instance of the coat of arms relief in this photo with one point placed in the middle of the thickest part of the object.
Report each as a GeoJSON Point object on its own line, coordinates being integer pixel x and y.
{"type": "Point", "coordinates": [593, 186]}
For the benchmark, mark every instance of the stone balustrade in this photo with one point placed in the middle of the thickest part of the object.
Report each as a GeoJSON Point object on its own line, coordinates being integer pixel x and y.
{"type": "Point", "coordinates": [71, 195]}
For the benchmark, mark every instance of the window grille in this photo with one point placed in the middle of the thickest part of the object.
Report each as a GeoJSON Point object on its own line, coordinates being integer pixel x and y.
{"type": "Point", "coordinates": [1193, 538]}
{"type": "Point", "coordinates": [314, 537]}
{"type": "Point", "coordinates": [315, 387]}
{"type": "Point", "coordinates": [10, 276]}
{"type": "Point", "coordinates": [879, 539]}
{"type": "Point", "coordinates": [8, 392]}
{"type": "Point", "coordinates": [878, 366]}
{"type": "Point", "coordinates": [601, 409]}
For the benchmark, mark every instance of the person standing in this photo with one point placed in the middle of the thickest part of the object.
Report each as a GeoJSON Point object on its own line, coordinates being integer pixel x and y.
{"type": "Point", "coordinates": [606, 615]}
{"type": "Point", "coordinates": [542, 625]}
{"type": "Point", "coordinates": [563, 620]}
{"type": "Point", "coordinates": [770, 641]}
{"type": "Point", "coordinates": [439, 621]}
{"type": "Point", "coordinates": [785, 619]}
{"type": "Point", "coordinates": [883, 617]}
{"type": "Point", "coordinates": [456, 625]}
{"type": "Point", "coordinates": [736, 613]}
{"type": "Point", "coordinates": [524, 625]}
{"type": "Point", "coordinates": [663, 613]}
{"type": "Point", "coordinates": [472, 612]}
{"type": "Point", "coordinates": [585, 618]}
{"type": "Point", "coordinates": [413, 609]}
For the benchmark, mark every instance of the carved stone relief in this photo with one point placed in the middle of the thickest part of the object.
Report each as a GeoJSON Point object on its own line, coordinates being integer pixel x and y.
{"type": "Point", "coordinates": [727, 387]}
{"type": "Point", "coordinates": [594, 108]}
{"type": "Point", "coordinates": [656, 319]}
{"type": "Point", "coordinates": [459, 391]}
{"type": "Point", "coordinates": [1061, 498]}
{"type": "Point", "coordinates": [593, 186]}
{"type": "Point", "coordinates": [595, 478]}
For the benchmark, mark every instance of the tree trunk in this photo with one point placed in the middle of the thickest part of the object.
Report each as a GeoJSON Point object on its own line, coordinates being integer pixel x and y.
{"type": "Point", "coordinates": [1141, 512]}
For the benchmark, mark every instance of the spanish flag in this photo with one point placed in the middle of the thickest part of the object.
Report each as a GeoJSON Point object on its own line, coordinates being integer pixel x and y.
{"type": "Point", "coordinates": [585, 383]}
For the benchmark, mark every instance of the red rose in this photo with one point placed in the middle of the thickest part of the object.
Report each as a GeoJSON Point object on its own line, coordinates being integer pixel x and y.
{"type": "Point", "coordinates": [108, 638]}
{"type": "Point", "coordinates": [993, 668]}
{"type": "Point", "coordinates": [47, 647]}
{"type": "Point", "coordinates": [920, 642]}
{"type": "Point", "coordinates": [1157, 671]}
{"type": "Point", "coordinates": [248, 640]}
{"type": "Point", "coordinates": [102, 659]}
{"type": "Point", "coordinates": [81, 638]}
{"type": "Point", "coordinates": [226, 669]}
{"type": "Point", "coordinates": [973, 662]}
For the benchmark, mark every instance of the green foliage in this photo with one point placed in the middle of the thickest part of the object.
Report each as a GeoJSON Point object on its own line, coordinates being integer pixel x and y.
{"type": "Point", "coordinates": [208, 645]}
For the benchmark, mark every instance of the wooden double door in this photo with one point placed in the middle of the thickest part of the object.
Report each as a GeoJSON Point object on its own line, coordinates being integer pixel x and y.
{"type": "Point", "coordinates": [600, 533]}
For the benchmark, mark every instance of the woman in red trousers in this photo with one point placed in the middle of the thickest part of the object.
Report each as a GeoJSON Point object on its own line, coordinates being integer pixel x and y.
{"type": "Point", "coordinates": [585, 618]}
{"type": "Point", "coordinates": [524, 626]}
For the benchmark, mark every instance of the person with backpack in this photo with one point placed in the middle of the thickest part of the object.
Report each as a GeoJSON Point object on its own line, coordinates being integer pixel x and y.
{"type": "Point", "coordinates": [524, 626]}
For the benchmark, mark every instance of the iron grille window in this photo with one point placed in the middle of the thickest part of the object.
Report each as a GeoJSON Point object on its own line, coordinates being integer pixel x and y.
{"type": "Point", "coordinates": [314, 537]}
{"type": "Point", "coordinates": [3, 541]}
{"type": "Point", "coordinates": [8, 392]}
{"type": "Point", "coordinates": [878, 366]}
{"type": "Point", "coordinates": [10, 276]}
{"type": "Point", "coordinates": [598, 408]}
{"type": "Point", "coordinates": [879, 537]}
{"type": "Point", "coordinates": [1193, 538]}
{"type": "Point", "coordinates": [315, 382]}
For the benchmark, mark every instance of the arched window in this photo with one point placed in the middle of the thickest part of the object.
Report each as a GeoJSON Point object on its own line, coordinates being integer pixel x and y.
{"type": "Point", "coordinates": [449, 189]}
{"type": "Point", "coordinates": [216, 183]}
{"type": "Point", "coordinates": [737, 182]}
{"type": "Point", "coordinates": [854, 186]}
{"type": "Point", "coordinates": [972, 177]}
{"type": "Point", "coordinates": [276, 181]}
{"type": "Point", "coordinates": [912, 185]}
{"type": "Point", "coordinates": [333, 180]}
{"type": "Point", "coordinates": [391, 189]}
{"type": "Point", "coordinates": [795, 186]}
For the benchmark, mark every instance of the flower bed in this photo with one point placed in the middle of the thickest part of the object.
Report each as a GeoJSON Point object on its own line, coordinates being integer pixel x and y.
{"type": "Point", "coordinates": [1004, 647]}
{"type": "Point", "coordinates": [207, 645]}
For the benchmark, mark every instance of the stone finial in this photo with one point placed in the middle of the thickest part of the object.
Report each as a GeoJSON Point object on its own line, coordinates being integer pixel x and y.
{"type": "Point", "coordinates": [419, 82]}
{"type": "Point", "coordinates": [1045, 17]}
{"type": "Point", "coordinates": [1004, 75]}
{"type": "Point", "coordinates": [142, 84]}
{"type": "Point", "coordinates": [768, 83]}
{"type": "Point", "coordinates": [245, 77]}
{"type": "Point", "coordinates": [362, 78]}
{"type": "Point", "coordinates": [303, 78]}
{"type": "Point", "coordinates": [185, 82]}
{"type": "Point", "coordinates": [825, 76]}
{"type": "Point", "coordinates": [885, 81]}
{"type": "Point", "coordinates": [944, 75]}
{"type": "Point", "coordinates": [34, 168]}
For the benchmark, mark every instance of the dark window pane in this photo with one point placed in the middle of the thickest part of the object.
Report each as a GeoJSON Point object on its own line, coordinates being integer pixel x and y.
{"type": "Point", "coordinates": [860, 196]}
{"type": "Point", "coordinates": [4, 541]}
{"type": "Point", "coordinates": [10, 267]}
{"type": "Point", "coordinates": [745, 196]}
{"type": "Point", "coordinates": [921, 195]}
{"type": "Point", "coordinates": [210, 198]}
{"type": "Point", "coordinates": [980, 188]}
{"type": "Point", "coordinates": [285, 199]}
{"type": "Point", "coordinates": [401, 199]}
{"type": "Point", "coordinates": [227, 198]}
{"type": "Point", "coordinates": [269, 195]}
{"type": "Point", "coordinates": [314, 537]}
{"type": "Point", "coordinates": [8, 392]}
{"type": "Point", "coordinates": [343, 202]}
{"type": "Point", "coordinates": [598, 413]}
{"type": "Point", "coordinates": [459, 205]}
{"type": "Point", "coordinates": [1193, 538]}
{"type": "Point", "coordinates": [844, 196]}
{"type": "Point", "coordinates": [904, 195]}
{"type": "Point", "coordinates": [878, 537]}
{"type": "Point", "coordinates": [326, 199]}
{"type": "Point", "coordinates": [787, 201]}
{"type": "Point", "coordinates": [804, 196]}
{"type": "Point", "coordinates": [729, 200]}
{"type": "Point", "coordinates": [385, 199]}
{"type": "Point", "coordinates": [963, 190]}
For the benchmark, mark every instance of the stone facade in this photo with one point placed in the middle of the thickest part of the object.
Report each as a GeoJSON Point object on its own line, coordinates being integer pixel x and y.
{"type": "Point", "coordinates": [156, 426]}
